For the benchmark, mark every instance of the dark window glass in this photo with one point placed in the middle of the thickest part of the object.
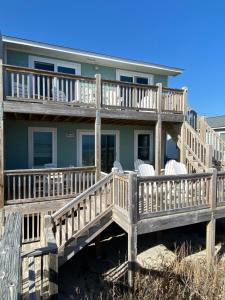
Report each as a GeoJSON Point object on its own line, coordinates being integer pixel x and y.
{"type": "Point", "coordinates": [88, 150]}
{"type": "Point", "coordinates": [67, 70]}
{"type": "Point", "coordinates": [144, 147]}
{"type": "Point", "coordinates": [43, 66]}
{"type": "Point", "coordinates": [126, 78]}
{"type": "Point", "coordinates": [42, 148]}
{"type": "Point", "coordinates": [141, 80]}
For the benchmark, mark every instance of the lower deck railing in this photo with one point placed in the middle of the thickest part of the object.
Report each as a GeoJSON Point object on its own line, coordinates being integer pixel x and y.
{"type": "Point", "coordinates": [43, 184]}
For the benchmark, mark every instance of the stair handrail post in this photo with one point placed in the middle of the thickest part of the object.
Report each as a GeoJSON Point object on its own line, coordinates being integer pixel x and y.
{"type": "Point", "coordinates": [185, 99]}
{"type": "Point", "coordinates": [213, 188]}
{"type": "Point", "coordinates": [209, 156]}
{"type": "Point", "coordinates": [183, 144]}
{"type": "Point", "coordinates": [132, 227]}
{"type": "Point", "coordinates": [202, 128]}
{"type": "Point", "coordinates": [98, 95]}
{"type": "Point", "coordinates": [115, 171]}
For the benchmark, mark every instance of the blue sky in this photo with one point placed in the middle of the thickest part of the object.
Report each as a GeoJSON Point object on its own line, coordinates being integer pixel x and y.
{"type": "Point", "coordinates": [181, 33]}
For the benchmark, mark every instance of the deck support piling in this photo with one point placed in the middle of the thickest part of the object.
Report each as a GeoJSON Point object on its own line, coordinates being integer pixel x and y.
{"type": "Point", "coordinates": [211, 225]}
{"type": "Point", "coordinates": [1, 128]}
{"type": "Point", "coordinates": [132, 228]}
{"type": "Point", "coordinates": [158, 132]}
{"type": "Point", "coordinates": [98, 128]}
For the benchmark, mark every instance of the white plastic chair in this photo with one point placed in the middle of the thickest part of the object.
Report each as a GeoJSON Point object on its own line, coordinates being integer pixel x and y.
{"type": "Point", "coordinates": [137, 163]}
{"type": "Point", "coordinates": [175, 168]}
{"type": "Point", "coordinates": [146, 170]}
{"type": "Point", "coordinates": [118, 165]}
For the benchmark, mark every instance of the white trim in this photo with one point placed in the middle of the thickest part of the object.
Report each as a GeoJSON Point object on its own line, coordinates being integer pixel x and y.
{"type": "Point", "coordinates": [120, 72]}
{"type": "Point", "coordinates": [81, 132]}
{"type": "Point", "coordinates": [136, 133]}
{"type": "Point", "coordinates": [31, 130]}
{"type": "Point", "coordinates": [55, 62]}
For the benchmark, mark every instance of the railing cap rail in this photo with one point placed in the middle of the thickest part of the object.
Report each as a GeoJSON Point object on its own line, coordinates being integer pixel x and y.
{"type": "Point", "coordinates": [43, 72]}
{"type": "Point", "coordinates": [174, 177]}
{"type": "Point", "coordinates": [47, 170]}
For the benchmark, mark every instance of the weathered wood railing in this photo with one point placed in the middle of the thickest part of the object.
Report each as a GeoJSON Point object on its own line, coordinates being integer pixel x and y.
{"type": "Point", "coordinates": [79, 213]}
{"type": "Point", "coordinates": [43, 184]}
{"type": "Point", "coordinates": [32, 85]}
{"type": "Point", "coordinates": [40, 268]}
{"type": "Point", "coordinates": [37, 85]}
{"type": "Point", "coordinates": [210, 136]}
{"type": "Point", "coordinates": [10, 258]}
{"type": "Point", "coordinates": [120, 191]}
{"type": "Point", "coordinates": [173, 100]}
{"type": "Point", "coordinates": [197, 154]}
{"type": "Point", "coordinates": [129, 95]}
{"type": "Point", "coordinates": [160, 195]}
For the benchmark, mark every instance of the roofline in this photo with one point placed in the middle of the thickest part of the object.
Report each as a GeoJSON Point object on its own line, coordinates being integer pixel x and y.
{"type": "Point", "coordinates": [46, 46]}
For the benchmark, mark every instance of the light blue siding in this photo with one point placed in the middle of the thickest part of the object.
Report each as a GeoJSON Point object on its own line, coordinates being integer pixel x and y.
{"type": "Point", "coordinates": [16, 142]}
{"type": "Point", "coordinates": [21, 59]}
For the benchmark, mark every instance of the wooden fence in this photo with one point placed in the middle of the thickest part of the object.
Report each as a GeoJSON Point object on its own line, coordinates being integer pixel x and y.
{"type": "Point", "coordinates": [46, 184]}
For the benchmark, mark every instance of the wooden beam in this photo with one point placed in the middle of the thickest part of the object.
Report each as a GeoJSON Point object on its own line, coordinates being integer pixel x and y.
{"type": "Point", "coordinates": [132, 227]}
{"type": "Point", "coordinates": [98, 128]}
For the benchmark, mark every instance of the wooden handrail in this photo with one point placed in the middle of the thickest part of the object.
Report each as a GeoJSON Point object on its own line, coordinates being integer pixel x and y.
{"type": "Point", "coordinates": [82, 196]}
{"type": "Point", "coordinates": [174, 177]}
{"type": "Point", "coordinates": [47, 170]}
{"type": "Point", "coordinates": [43, 72]}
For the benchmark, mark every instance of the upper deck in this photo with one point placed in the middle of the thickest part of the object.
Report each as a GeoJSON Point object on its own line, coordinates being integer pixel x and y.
{"type": "Point", "coordinates": [32, 91]}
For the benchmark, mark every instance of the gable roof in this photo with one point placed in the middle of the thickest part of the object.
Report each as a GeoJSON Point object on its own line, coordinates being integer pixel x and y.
{"type": "Point", "coordinates": [216, 122]}
{"type": "Point", "coordinates": [90, 57]}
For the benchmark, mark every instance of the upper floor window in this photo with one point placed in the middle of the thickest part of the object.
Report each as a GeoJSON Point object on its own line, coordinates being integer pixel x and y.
{"type": "Point", "coordinates": [134, 77]}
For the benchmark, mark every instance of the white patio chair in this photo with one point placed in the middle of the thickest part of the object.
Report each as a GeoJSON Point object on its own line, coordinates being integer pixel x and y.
{"type": "Point", "coordinates": [175, 168]}
{"type": "Point", "coordinates": [137, 163]}
{"type": "Point", "coordinates": [146, 170]}
{"type": "Point", "coordinates": [118, 165]}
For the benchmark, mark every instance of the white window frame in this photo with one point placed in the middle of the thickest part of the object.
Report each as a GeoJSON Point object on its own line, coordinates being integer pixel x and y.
{"type": "Point", "coordinates": [56, 63]}
{"type": "Point", "coordinates": [120, 72]}
{"type": "Point", "coordinates": [136, 133]}
{"type": "Point", "coordinates": [81, 132]}
{"type": "Point", "coordinates": [31, 130]}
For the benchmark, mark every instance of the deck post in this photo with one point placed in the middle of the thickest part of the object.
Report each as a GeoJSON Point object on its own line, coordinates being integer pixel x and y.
{"type": "Point", "coordinates": [211, 225]}
{"type": "Point", "coordinates": [132, 227]}
{"type": "Point", "coordinates": [98, 128]}
{"type": "Point", "coordinates": [202, 128]}
{"type": "Point", "coordinates": [1, 128]}
{"type": "Point", "coordinates": [185, 93]}
{"type": "Point", "coordinates": [209, 155]}
{"type": "Point", "coordinates": [183, 148]}
{"type": "Point", "coordinates": [158, 132]}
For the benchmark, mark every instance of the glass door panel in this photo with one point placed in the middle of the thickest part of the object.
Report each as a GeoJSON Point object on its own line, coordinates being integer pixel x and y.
{"type": "Point", "coordinates": [108, 146]}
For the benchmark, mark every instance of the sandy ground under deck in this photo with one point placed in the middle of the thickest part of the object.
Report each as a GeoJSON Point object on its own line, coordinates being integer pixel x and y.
{"type": "Point", "coordinates": [83, 277]}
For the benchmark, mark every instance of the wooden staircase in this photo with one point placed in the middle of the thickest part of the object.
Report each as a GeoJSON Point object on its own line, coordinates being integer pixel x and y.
{"type": "Point", "coordinates": [200, 148]}
{"type": "Point", "coordinates": [81, 220]}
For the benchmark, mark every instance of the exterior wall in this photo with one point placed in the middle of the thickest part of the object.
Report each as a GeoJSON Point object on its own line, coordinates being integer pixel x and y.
{"type": "Point", "coordinates": [16, 142]}
{"type": "Point", "coordinates": [21, 59]}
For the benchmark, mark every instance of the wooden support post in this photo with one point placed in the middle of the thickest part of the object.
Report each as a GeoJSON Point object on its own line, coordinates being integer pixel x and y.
{"type": "Point", "coordinates": [211, 225]}
{"type": "Point", "coordinates": [185, 93]}
{"type": "Point", "coordinates": [163, 152]}
{"type": "Point", "coordinates": [132, 230]}
{"type": "Point", "coordinates": [183, 143]}
{"type": "Point", "coordinates": [98, 128]}
{"type": "Point", "coordinates": [158, 132]}
{"type": "Point", "coordinates": [1, 128]}
{"type": "Point", "coordinates": [202, 129]}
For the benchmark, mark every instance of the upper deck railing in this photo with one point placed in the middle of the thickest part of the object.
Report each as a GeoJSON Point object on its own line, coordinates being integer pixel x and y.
{"type": "Point", "coordinates": [32, 85]}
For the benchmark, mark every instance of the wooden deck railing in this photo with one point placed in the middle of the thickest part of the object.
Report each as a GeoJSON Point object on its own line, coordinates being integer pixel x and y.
{"type": "Point", "coordinates": [121, 191]}
{"type": "Point", "coordinates": [42, 184]}
{"type": "Point", "coordinates": [210, 136]}
{"type": "Point", "coordinates": [83, 210]}
{"type": "Point", "coordinates": [32, 85]}
{"type": "Point", "coordinates": [169, 194]}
